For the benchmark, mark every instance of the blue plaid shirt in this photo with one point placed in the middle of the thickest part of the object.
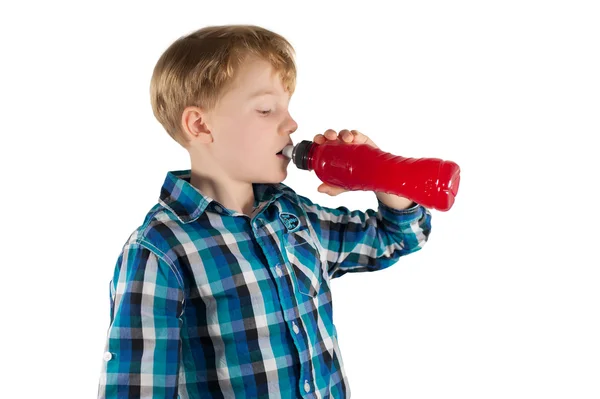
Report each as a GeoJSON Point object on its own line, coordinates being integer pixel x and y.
{"type": "Point", "coordinates": [206, 302]}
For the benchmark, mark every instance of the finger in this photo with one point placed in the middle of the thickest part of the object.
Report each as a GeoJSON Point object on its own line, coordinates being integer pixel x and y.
{"type": "Point", "coordinates": [330, 134]}
{"type": "Point", "coordinates": [346, 136]}
{"type": "Point", "coordinates": [323, 188]}
{"type": "Point", "coordinates": [360, 138]}
{"type": "Point", "coordinates": [319, 139]}
{"type": "Point", "coordinates": [330, 190]}
{"type": "Point", "coordinates": [364, 139]}
{"type": "Point", "coordinates": [333, 191]}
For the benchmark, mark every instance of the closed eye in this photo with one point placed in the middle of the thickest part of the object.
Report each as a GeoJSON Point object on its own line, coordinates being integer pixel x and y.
{"type": "Point", "coordinates": [267, 112]}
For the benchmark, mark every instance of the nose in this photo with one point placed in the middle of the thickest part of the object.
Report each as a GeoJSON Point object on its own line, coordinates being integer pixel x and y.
{"type": "Point", "coordinates": [291, 125]}
{"type": "Point", "coordinates": [292, 130]}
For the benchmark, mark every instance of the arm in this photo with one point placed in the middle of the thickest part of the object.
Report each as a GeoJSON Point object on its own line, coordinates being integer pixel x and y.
{"type": "Point", "coordinates": [394, 201]}
{"type": "Point", "coordinates": [357, 241]}
{"type": "Point", "coordinates": [143, 337]}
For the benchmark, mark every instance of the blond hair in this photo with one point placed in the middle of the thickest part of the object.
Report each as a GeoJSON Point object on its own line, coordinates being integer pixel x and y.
{"type": "Point", "coordinates": [197, 69]}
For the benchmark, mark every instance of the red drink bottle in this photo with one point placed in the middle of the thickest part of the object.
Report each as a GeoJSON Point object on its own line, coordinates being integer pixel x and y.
{"type": "Point", "coordinates": [430, 182]}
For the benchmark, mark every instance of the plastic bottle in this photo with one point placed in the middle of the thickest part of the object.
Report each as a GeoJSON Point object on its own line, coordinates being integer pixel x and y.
{"type": "Point", "coordinates": [430, 182]}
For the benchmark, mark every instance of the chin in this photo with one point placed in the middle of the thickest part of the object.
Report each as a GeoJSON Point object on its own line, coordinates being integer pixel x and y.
{"type": "Point", "coordinates": [275, 178]}
{"type": "Point", "coordinates": [279, 180]}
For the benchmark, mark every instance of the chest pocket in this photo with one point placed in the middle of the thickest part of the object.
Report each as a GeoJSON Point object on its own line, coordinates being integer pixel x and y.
{"type": "Point", "coordinates": [304, 261]}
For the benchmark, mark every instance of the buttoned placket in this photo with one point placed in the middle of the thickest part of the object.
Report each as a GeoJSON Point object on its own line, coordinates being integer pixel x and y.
{"type": "Point", "coordinates": [258, 225]}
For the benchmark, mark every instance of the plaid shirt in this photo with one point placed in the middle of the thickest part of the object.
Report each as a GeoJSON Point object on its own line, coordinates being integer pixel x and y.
{"type": "Point", "coordinates": [210, 303]}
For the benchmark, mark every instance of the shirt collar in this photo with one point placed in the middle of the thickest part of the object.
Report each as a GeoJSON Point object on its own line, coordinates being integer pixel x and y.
{"type": "Point", "coordinates": [188, 203]}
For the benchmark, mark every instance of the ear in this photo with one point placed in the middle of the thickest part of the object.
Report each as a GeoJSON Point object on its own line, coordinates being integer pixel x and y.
{"type": "Point", "coordinates": [193, 123]}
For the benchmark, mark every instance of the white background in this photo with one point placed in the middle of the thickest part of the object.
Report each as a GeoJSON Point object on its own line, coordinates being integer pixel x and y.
{"type": "Point", "coordinates": [503, 301]}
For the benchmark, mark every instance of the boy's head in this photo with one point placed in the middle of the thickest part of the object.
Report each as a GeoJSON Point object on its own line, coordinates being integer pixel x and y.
{"type": "Point", "coordinates": [207, 91]}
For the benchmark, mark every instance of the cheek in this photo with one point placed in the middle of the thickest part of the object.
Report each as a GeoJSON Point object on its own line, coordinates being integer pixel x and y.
{"type": "Point", "coordinates": [244, 137]}
{"type": "Point", "coordinates": [253, 136]}
{"type": "Point", "coordinates": [242, 144]}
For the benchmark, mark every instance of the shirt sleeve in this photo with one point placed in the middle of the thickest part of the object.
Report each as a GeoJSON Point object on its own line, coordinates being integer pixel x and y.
{"type": "Point", "coordinates": [357, 241]}
{"type": "Point", "coordinates": [141, 357]}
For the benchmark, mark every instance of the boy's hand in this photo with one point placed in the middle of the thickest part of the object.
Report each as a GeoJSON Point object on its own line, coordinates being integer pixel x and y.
{"type": "Point", "coordinates": [345, 136]}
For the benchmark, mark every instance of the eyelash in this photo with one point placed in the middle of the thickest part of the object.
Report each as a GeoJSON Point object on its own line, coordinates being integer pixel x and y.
{"type": "Point", "coordinates": [264, 113]}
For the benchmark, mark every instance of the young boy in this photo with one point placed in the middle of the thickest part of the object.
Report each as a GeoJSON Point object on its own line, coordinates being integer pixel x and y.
{"type": "Point", "coordinates": [224, 290]}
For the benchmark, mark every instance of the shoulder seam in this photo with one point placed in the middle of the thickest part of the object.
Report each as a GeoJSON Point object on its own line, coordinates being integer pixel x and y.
{"type": "Point", "coordinates": [161, 256]}
{"type": "Point", "coordinates": [165, 258]}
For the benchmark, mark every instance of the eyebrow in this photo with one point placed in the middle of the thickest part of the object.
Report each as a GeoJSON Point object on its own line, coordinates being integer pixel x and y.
{"type": "Point", "coordinates": [261, 92]}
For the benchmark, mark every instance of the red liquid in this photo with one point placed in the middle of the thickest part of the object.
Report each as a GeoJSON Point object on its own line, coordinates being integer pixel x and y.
{"type": "Point", "coordinates": [430, 182]}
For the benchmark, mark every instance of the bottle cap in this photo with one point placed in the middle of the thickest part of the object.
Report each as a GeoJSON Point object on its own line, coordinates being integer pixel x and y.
{"type": "Point", "coordinates": [300, 154]}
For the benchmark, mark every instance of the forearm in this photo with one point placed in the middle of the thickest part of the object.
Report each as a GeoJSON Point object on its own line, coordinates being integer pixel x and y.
{"type": "Point", "coordinates": [142, 351]}
{"type": "Point", "coordinates": [394, 201]}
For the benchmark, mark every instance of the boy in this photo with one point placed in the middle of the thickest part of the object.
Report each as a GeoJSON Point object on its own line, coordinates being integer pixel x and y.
{"type": "Point", "coordinates": [224, 290]}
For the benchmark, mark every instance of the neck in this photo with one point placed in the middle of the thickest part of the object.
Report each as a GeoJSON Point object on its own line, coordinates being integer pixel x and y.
{"type": "Point", "coordinates": [234, 195]}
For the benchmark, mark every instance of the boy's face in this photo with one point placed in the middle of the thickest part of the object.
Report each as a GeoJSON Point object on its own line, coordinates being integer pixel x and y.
{"type": "Point", "coordinates": [250, 126]}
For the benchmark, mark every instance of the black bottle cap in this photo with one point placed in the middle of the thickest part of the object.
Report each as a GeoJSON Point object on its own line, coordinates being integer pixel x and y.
{"type": "Point", "coordinates": [300, 156]}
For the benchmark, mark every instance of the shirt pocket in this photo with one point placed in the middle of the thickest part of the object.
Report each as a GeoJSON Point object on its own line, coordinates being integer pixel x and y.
{"type": "Point", "coordinates": [304, 261]}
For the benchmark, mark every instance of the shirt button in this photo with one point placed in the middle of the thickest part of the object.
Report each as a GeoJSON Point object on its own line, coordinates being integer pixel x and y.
{"type": "Point", "coordinates": [218, 208]}
{"type": "Point", "coordinates": [296, 329]}
{"type": "Point", "coordinates": [107, 356]}
{"type": "Point", "coordinates": [306, 386]}
{"type": "Point", "coordinates": [278, 270]}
